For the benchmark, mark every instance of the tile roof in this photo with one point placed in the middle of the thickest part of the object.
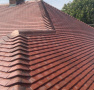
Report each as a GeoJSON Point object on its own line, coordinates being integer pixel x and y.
{"type": "Point", "coordinates": [22, 18]}
{"type": "Point", "coordinates": [49, 50]}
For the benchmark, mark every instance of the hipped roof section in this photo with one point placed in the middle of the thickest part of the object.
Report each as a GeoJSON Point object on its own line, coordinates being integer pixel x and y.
{"type": "Point", "coordinates": [45, 49]}
{"type": "Point", "coordinates": [30, 16]}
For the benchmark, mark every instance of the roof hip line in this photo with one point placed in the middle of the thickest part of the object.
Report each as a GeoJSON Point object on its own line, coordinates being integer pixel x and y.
{"type": "Point", "coordinates": [46, 12]}
{"type": "Point", "coordinates": [16, 68]}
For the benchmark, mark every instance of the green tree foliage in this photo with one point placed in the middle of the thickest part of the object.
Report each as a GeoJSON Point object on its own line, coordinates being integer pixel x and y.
{"type": "Point", "coordinates": [81, 9]}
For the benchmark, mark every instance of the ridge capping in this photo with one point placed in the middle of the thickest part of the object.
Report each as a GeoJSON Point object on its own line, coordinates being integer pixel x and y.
{"type": "Point", "coordinates": [16, 33]}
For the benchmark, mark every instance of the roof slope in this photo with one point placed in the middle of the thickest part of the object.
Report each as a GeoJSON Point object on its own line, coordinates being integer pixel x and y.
{"type": "Point", "coordinates": [43, 60]}
{"type": "Point", "coordinates": [28, 16]}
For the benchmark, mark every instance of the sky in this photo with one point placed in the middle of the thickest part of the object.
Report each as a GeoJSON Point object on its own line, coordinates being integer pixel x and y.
{"type": "Point", "coordinates": [56, 3]}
